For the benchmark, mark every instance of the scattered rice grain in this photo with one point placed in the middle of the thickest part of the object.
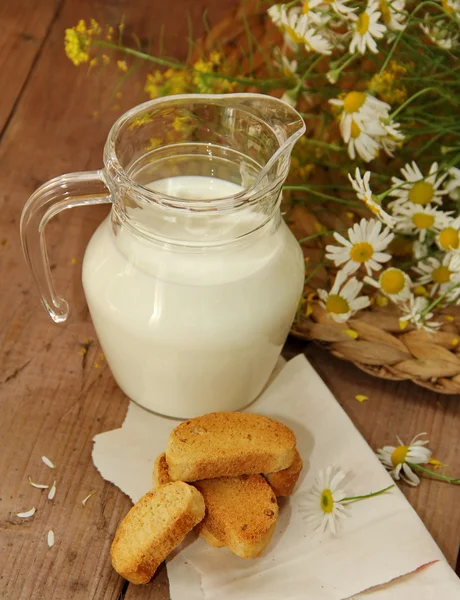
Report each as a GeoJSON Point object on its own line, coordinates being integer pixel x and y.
{"type": "Point", "coordinates": [50, 538]}
{"type": "Point", "coordinates": [40, 486]}
{"type": "Point", "coordinates": [85, 500]}
{"type": "Point", "coordinates": [27, 513]}
{"type": "Point", "coordinates": [47, 462]}
{"type": "Point", "coordinates": [52, 491]}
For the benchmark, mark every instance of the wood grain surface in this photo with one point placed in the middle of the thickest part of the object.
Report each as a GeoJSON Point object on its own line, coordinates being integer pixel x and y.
{"type": "Point", "coordinates": [54, 395]}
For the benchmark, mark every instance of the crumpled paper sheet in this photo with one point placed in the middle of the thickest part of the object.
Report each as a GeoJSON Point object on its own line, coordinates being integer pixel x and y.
{"type": "Point", "coordinates": [381, 541]}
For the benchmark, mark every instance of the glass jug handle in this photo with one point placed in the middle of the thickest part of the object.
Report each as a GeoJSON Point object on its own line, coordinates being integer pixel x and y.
{"type": "Point", "coordinates": [58, 194]}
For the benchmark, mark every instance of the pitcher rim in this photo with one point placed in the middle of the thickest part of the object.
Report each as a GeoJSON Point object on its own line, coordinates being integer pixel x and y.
{"type": "Point", "coordinates": [246, 197]}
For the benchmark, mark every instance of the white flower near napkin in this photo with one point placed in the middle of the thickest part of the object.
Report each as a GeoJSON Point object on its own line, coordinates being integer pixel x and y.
{"type": "Point", "coordinates": [382, 540]}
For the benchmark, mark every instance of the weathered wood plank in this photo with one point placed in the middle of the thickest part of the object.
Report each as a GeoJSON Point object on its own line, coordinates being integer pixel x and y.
{"type": "Point", "coordinates": [25, 25]}
{"type": "Point", "coordinates": [53, 398]}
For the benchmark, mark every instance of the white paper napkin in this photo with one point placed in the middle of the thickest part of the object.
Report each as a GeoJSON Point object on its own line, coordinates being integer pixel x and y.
{"type": "Point", "coordinates": [381, 541]}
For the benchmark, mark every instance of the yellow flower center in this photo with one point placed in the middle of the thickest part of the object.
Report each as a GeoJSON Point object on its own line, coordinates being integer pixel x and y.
{"type": "Point", "coordinates": [337, 304]}
{"type": "Point", "coordinates": [353, 101]}
{"type": "Point", "coordinates": [441, 275]}
{"type": "Point", "coordinates": [399, 455]}
{"type": "Point", "coordinates": [292, 33]}
{"type": "Point", "coordinates": [422, 220]}
{"type": "Point", "coordinates": [448, 238]}
{"type": "Point", "coordinates": [327, 501]}
{"type": "Point", "coordinates": [421, 192]}
{"type": "Point", "coordinates": [306, 7]}
{"type": "Point", "coordinates": [385, 10]}
{"type": "Point", "coordinates": [392, 281]}
{"type": "Point", "coordinates": [362, 24]}
{"type": "Point", "coordinates": [355, 130]}
{"type": "Point", "coordinates": [361, 252]}
{"type": "Point", "coordinates": [446, 6]}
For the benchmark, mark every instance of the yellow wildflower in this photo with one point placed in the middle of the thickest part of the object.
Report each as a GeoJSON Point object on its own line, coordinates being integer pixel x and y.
{"type": "Point", "coordinates": [183, 123]}
{"type": "Point", "coordinates": [105, 59]}
{"type": "Point", "coordinates": [77, 41]}
{"type": "Point", "coordinates": [361, 397]}
{"type": "Point", "coordinates": [121, 64]}
{"type": "Point", "coordinates": [351, 333]}
{"type": "Point", "coordinates": [388, 85]}
{"type": "Point", "coordinates": [215, 57]}
{"type": "Point", "coordinates": [153, 84]}
{"type": "Point", "coordinates": [110, 31]}
{"type": "Point", "coordinates": [154, 143]}
{"type": "Point", "coordinates": [92, 63]}
{"type": "Point", "coordinates": [177, 82]}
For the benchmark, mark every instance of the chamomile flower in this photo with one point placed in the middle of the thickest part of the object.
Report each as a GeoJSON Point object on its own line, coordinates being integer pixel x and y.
{"type": "Point", "coordinates": [413, 219]}
{"type": "Point", "coordinates": [275, 13]}
{"type": "Point", "coordinates": [393, 14]}
{"type": "Point", "coordinates": [338, 6]}
{"type": "Point", "coordinates": [289, 67]}
{"type": "Point", "coordinates": [343, 302]}
{"type": "Point", "coordinates": [364, 247]}
{"type": "Point", "coordinates": [449, 237]}
{"type": "Point", "coordinates": [417, 189]}
{"type": "Point", "coordinates": [362, 109]}
{"type": "Point", "coordinates": [367, 29]}
{"type": "Point", "coordinates": [393, 283]}
{"type": "Point", "coordinates": [308, 9]}
{"type": "Point", "coordinates": [364, 193]}
{"type": "Point", "coordinates": [438, 34]}
{"type": "Point", "coordinates": [299, 29]}
{"type": "Point", "coordinates": [413, 311]}
{"type": "Point", "coordinates": [393, 138]}
{"type": "Point", "coordinates": [453, 185]}
{"type": "Point", "coordinates": [364, 143]}
{"type": "Point", "coordinates": [451, 6]}
{"type": "Point", "coordinates": [397, 459]}
{"type": "Point", "coordinates": [442, 274]}
{"type": "Point", "coordinates": [323, 504]}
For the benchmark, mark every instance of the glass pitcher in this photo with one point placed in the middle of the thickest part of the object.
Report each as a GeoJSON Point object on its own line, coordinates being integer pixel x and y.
{"type": "Point", "coordinates": [193, 279]}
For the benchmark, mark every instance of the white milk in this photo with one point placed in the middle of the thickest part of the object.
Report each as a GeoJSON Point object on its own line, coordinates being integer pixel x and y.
{"type": "Point", "coordinates": [184, 331]}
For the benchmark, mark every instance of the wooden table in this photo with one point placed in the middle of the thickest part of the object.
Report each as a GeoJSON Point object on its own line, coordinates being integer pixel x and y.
{"type": "Point", "coordinates": [55, 397]}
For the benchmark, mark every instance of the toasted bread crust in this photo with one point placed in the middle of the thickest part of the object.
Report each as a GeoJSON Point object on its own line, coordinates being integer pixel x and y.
{"type": "Point", "coordinates": [154, 526]}
{"type": "Point", "coordinates": [228, 444]}
{"type": "Point", "coordinates": [241, 513]}
{"type": "Point", "coordinates": [210, 538]}
{"type": "Point", "coordinates": [160, 475]}
{"type": "Point", "coordinates": [283, 482]}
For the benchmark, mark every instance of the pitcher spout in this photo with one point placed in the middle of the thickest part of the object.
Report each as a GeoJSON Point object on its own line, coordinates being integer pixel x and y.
{"type": "Point", "coordinates": [274, 129]}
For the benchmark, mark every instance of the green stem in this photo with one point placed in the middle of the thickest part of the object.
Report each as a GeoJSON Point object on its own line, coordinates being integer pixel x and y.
{"type": "Point", "coordinates": [306, 188]}
{"type": "Point", "coordinates": [414, 97]}
{"type": "Point", "coordinates": [266, 83]}
{"type": "Point", "coordinates": [321, 233]}
{"type": "Point", "coordinates": [354, 498]}
{"type": "Point", "coordinates": [430, 307]}
{"type": "Point", "coordinates": [310, 276]}
{"type": "Point", "coordinates": [453, 480]}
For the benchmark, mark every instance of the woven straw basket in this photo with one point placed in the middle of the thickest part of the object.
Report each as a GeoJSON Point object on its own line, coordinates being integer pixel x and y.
{"type": "Point", "coordinates": [372, 340]}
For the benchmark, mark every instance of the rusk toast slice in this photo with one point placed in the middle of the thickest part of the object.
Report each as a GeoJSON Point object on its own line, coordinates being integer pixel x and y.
{"type": "Point", "coordinates": [283, 482]}
{"type": "Point", "coordinates": [241, 513]}
{"type": "Point", "coordinates": [228, 444]}
{"type": "Point", "coordinates": [160, 475]}
{"type": "Point", "coordinates": [154, 526]}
